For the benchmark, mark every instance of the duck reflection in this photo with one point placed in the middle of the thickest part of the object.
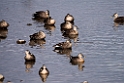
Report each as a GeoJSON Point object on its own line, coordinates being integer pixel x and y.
{"type": "Point", "coordinates": [1, 82]}
{"type": "Point", "coordinates": [63, 51]}
{"type": "Point", "coordinates": [38, 20]}
{"type": "Point", "coordinates": [43, 77]}
{"type": "Point", "coordinates": [29, 65]}
{"type": "Point", "coordinates": [78, 60]}
{"type": "Point", "coordinates": [73, 37]}
{"type": "Point", "coordinates": [3, 34]}
{"type": "Point", "coordinates": [80, 65]}
{"type": "Point", "coordinates": [118, 24]}
{"type": "Point", "coordinates": [49, 27]}
{"type": "Point", "coordinates": [37, 42]}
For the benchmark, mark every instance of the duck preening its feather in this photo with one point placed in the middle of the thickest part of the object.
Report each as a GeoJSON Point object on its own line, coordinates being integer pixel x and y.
{"type": "Point", "coordinates": [29, 56]}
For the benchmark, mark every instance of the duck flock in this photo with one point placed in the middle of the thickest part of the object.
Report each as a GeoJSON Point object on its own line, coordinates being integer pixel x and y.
{"type": "Point", "coordinates": [68, 29]}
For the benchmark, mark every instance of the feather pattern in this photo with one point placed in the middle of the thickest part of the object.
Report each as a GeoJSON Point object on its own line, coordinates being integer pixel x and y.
{"type": "Point", "coordinates": [64, 45]}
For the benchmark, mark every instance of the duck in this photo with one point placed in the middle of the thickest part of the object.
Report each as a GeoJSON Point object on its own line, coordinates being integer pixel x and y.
{"type": "Point", "coordinates": [118, 19]}
{"type": "Point", "coordinates": [72, 31]}
{"type": "Point", "coordinates": [29, 56]}
{"type": "Point", "coordinates": [69, 18]}
{"type": "Point", "coordinates": [42, 14]}
{"type": "Point", "coordinates": [66, 26]}
{"type": "Point", "coordinates": [43, 70]}
{"type": "Point", "coordinates": [63, 45]}
{"type": "Point", "coordinates": [20, 41]}
{"type": "Point", "coordinates": [3, 24]}
{"type": "Point", "coordinates": [49, 21]}
{"type": "Point", "coordinates": [2, 78]}
{"type": "Point", "coordinates": [77, 59]}
{"type": "Point", "coordinates": [38, 35]}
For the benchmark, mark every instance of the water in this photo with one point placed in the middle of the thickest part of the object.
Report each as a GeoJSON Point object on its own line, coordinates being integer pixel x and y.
{"type": "Point", "coordinates": [100, 42]}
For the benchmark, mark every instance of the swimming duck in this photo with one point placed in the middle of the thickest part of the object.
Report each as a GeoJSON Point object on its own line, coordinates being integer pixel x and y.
{"type": "Point", "coordinates": [66, 26]}
{"type": "Point", "coordinates": [72, 31]}
{"type": "Point", "coordinates": [29, 56]}
{"type": "Point", "coordinates": [43, 70]}
{"type": "Point", "coordinates": [3, 24]}
{"type": "Point", "coordinates": [20, 41]}
{"type": "Point", "coordinates": [69, 18]}
{"type": "Point", "coordinates": [42, 14]}
{"type": "Point", "coordinates": [49, 21]}
{"type": "Point", "coordinates": [118, 19]}
{"type": "Point", "coordinates": [77, 59]}
{"type": "Point", "coordinates": [1, 77]}
{"type": "Point", "coordinates": [38, 35]}
{"type": "Point", "coordinates": [63, 45]}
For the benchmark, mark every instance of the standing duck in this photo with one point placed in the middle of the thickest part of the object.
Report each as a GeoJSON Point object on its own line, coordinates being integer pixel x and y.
{"type": "Point", "coordinates": [63, 45]}
{"type": "Point", "coordinates": [118, 19]}
{"type": "Point", "coordinates": [29, 56]}
{"type": "Point", "coordinates": [38, 35]}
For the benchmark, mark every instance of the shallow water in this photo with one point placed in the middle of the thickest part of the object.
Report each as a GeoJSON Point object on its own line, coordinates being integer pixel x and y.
{"type": "Point", "coordinates": [100, 42]}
